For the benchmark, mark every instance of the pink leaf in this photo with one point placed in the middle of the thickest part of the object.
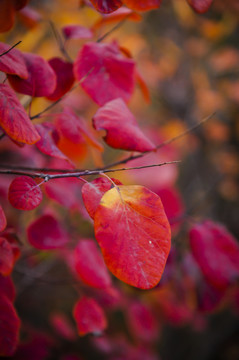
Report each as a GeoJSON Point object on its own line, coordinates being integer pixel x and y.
{"type": "Point", "coordinates": [41, 80]}
{"type": "Point", "coordinates": [106, 6]}
{"type": "Point", "coordinates": [6, 257]}
{"type": "Point", "coordinates": [122, 131]}
{"type": "Point", "coordinates": [46, 233]}
{"type": "Point", "coordinates": [47, 144]}
{"type": "Point", "coordinates": [65, 192]}
{"type": "Point", "coordinates": [108, 75]}
{"type": "Point", "coordinates": [64, 77]}
{"type": "Point", "coordinates": [13, 62]}
{"type": "Point", "coordinates": [14, 119]}
{"type": "Point", "coordinates": [89, 317]}
{"type": "Point", "coordinates": [3, 220]}
{"type": "Point", "coordinates": [7, 287]}
{"type": "Point", "coordinates": [93, 191]}
{"type": "Point", "coordinates": [89, 264]}
{"type": "Point", "coordinates": [200, 6]}
{"type": "Point", "coordinates": [216, 252]}
{"type": "Point", "coordinates": [24, 193]}
{"type": "Point", "coordinates": [63, 326]}
{"type": "Point", "coordinates": [76, 32]}
{"type": "Point", "coordinates": [142, 322]}
{"type": "Point", "coordinates": [9, 327]}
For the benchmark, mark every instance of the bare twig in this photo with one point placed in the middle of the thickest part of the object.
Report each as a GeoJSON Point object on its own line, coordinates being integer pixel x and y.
{"type": "Point", "coordinates": [117, 26]}
{"type": "Point", "coordinates": [59, 41]}
{"type": "Point", "coordinates": [167, 142]}
{"type": "Point", "coordinates": [48, 177]}
{"type": "Point", "coordinates": [12, 47]}
{"type": "Point", "coordinates": [61, 98]}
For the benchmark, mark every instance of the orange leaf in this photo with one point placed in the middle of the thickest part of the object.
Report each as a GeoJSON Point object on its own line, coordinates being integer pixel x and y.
{"type": "Point", "coordinates": [134, 234]}
{"type": "Point", "coordinates": [142, 5]}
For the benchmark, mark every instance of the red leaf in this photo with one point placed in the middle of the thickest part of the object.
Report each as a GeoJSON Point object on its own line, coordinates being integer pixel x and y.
{"type": "Point", "coordinates": [142, 5]}
{"type": "Point", "coordinates": [65, 192]}
{"type": "Point", "coordinates": [74, 128]}
{"type": "Point", "coordinates": [41, 80]}
{"type": "Point", "coordinates": [108, 74]}
{"type": "Point", "coordinates": [6, 257]}
{"type": "Point", "coordinates": [24, 193]}
{"type": "Point", "coordinates": [47, 144]}
{"type": "Point", "coordinates": [89, 317]}
{"type": "Point", "coordinates": [9, 327]}
{"type": "Point", "coordinates": [35, 348]}
{"type": "Point", "coordinates": [122, 131]}
{"type": "Point", "coordinates": [3, 220]}
{"type": "Point", "coordinates": [89, 264]}
{"type": "Point", "coordinates": [173, 205]}
{"type": "Point", "coordinates": [118, 15]}
{"type": "Point", "coordinates": [106, 6]}
{"type": "Point", "coordinates": [200, 6]}
{"type": "Point", "coordinates": [216, 252]}
{"type": "Point", "coordinates": [7, 15]}
{"type": "Point", "coordinates": [93, 191]}
{"type": "Point", "coordinates": [19, 4]}
{"type": "Point", "coordinates": [64, 77]}
{"type": "Point", "coordinates": [7, 12]}
{"type": "Point", "coordinates": [143, 87]}
{"type": "Point", "coordinates": [7, 287]}
{"type": "Point", "coordinates": [46, 233]}
{"type": "Point", "coordinates": [134, 235]}
{"type": "Point", "coordinates": [13, 118]}
{"type": "Point", "coordinates": [142, 322]}
{"type": "Point", "coordinates": [63, 326]}
{"type": "Point", "coordinates": [13, 62]}
{"type": "Point", "coordinates": [77, 32]}
{"type": "Point", "coordinates": [29, 17]}
{"type": "Point", "coordinates": [11, 237]}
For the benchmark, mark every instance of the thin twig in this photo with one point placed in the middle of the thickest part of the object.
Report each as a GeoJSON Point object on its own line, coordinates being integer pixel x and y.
{"type": "Point", "coordinates": [167, 142]}
{"type": "Point", "coordinates": [117, 26]}
{"type": "Point", "coordinates": [12, 47]}
{"type": "Point", "coordinates": [48, 177]}
{"type": "Point", "coordinates": [59, 41]}
{"type": "Point", "coordinates": [61, 98]}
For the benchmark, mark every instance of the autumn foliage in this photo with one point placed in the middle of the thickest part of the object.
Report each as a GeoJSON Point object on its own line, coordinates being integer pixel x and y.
{"type": "Point", "coordinates": [107, 233]}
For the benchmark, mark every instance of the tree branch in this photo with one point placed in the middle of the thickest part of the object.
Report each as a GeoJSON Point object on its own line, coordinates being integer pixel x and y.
{"type": "Point", "coordinates": [78, 174]}
{"type": "Point", "coordinates": [12, 47]}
